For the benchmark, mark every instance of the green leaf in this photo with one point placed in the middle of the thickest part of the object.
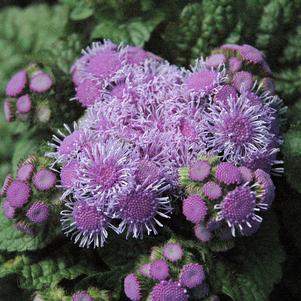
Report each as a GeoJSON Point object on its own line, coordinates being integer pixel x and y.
{"type": "Point", "coordinates": [49, 272]}
{"type": "Point", "coordinates": [135, 31]}
{"type": "Point", "coordinates": [83, 10]}
{"type": "Point", "coordinates": [255, 268]}
{"type": "Point", "coordinates": [292, 156]}
{"type": "Point", "coordinates": [12, 240]}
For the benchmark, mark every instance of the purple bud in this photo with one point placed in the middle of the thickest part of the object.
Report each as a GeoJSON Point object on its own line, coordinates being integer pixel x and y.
{"type": "Point", "coordinates": [16, 84]}
{"type": "Point", "coordinates": [40, 82]}
{"type": "Point", "coordinates": [23, 104]}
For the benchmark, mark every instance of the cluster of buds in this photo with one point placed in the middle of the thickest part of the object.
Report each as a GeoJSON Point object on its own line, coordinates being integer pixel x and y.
{"type": "Point", "coordinates": [21, 95]}
{"type": "Point", "coordinates": [26, 196]}
{"type": "Point", "coordinates": [245, 65]}
{"type": "Point", "coordinates": [223, 198]}
{"type": "Point", "coordinates": [169, 273]}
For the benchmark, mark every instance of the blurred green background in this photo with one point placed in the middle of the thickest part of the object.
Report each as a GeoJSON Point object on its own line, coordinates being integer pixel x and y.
{"type": "Point", "coordinates": [179, 31]}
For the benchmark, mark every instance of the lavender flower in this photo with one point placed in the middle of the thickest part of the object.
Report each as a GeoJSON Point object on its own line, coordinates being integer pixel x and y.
{"type": "Point", "coordinates": [173, 252]}
{"type": "Point", "coordinates": [44, 180]}
{"type": "Point", "coordinates": [145, 270]}
{"type": "Point", "coordinates": [7, 181]}
{"type": "Point", "coordinates": [81, 296]}
{"type": "Point", "coordinates": [139, 208]}
{"type": "Point", "coordinates": [238, 130]}
{"type": "Point", "coordinates": [25, 171]}
{"type": "Point", "coordinates": [202, 233]}
{"type": "Point", "coordinates": [68, 174]}
{"type": "Point", "coordinates": [40, 82]}
{"type": "Point", "coordinates": [38, 212]}
{"type": "Point", "coordinates": [132, 287]}
{"type": "Point", "coordinates": [238, 207]}
{"type": "Point", "coordinates": [85, 224]}
{"type": "Point", "coordinates": [227, 173]}
{"type": "Point", "coordinates": [159, 270]}
{"type": "Point", "coordinates": [194, 209]}
{"type": "Point", "coordinates": [199, 170]}
{"type": "Point", "coordinates": [88, 92]}
{"type": "Point", "coordinates": [169, 290]}
{"type": "Point", "coordinates": [8, 210]}
{"type": "Point", "coordinates": [16, 84]}
{"type": "Point", "coordinates": [106, 170]}
{"type": "Point", "coordinates": [23, 104]}
{"type": "Point", "coordinates": [18, 194]}
{"type": "Point", "coordinates": [192, 275]}
{"type": "Point", "coordinates": [212, 190]}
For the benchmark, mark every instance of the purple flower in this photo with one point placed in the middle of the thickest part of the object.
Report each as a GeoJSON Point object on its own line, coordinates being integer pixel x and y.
{"type": "Point", "coordinates": [231, 47]}
{"type": "Point", "coordinates": [16, 84]}
{"type": "Point", "coordinates": [132, 287]}
{"type": "Point", "coordinates": [251, 54]}
{"type": "Point", "coordinates": [23, 104]}
{"type": "Point", "coordinates": [266, 161]}
{"type": "Point", "coordinates": [226, 92]}
{"type": "Point", "coordinates": [44, 180]}
{"type": "Point", "coordinates": [227, 173]}
{"type": "Point", "coordinates": [138, 209]}
{"type": "Point", "coordinates": [99, 61]}
{"type": "Point", "coordinates": [25, 171]}
{"type": "Point", "coordinates": [148, 172]}
{"type": "Point", "coordinates": [246, 174]}
{"type": "Point", "coordinates": [159, 270]}
{"type": "Point", "coordinates": [199, 170]}
{"type": "Point", "coordinates": [238, 130]}
{"type": "Point", "coordinates": [88, 92]}
{"type": "Point", "coordinates": [136, 55]}
{"type": "Point", "coordinates": [8, 210]}
{"type": "Point", "coordinates": [145, 270]}
{"type": "Point", "coordinates": [237, 207]}
{"type": "Point", "coordinates": [191, 275]}
{"type": "Point", "coordinates": [243, 80]}
{"type": "Point", "coordinates": [202, 233]}
{"type": "Point", "coordinates": [38, 212]}
{"type": "Point", "coordinates": [68, 174]}
{"type": "Point", "coordinates": [40, 82]}
{"type": "Point", "coordinates": [212, 190]}
{"type": "Point", "coordinates": [194, 209]}
{"type": "Point", "coordinates": [235, 64]}
{"type": "Point", "coordinates": [202, 81]}
{"type": "Point", "coordinates": [169, 290]}
{"type": "Point", "coordinates": [214, 60]}
{"type": "Point", "coordinates": [7, 181]}
{"type": "Point", "coordinates": [85, 223]}
{"type": "Point", "coordinates": [173, 252]}
{"type": "Point", "coordinates": [81, 296]}
{"type": "Point", "coordinates": [18, 194]}
{"type": "Point", "coordinates": [68, 146]}
{"type": "Point", "coordinates": [264, 187]}
{"type": "Point", "coordinates": [106, 170]}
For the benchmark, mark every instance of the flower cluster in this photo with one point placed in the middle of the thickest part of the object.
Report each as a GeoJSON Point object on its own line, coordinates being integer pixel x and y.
{"type": "Point", "coordinates": [20, 92]}
{"type": "Point", "coordinates": [243, 122]}
{"type": "Point", "coordinates": [22, 195]}
{"type": "Point", "coordinates": [224, 197]}
{"type": "Point", "coordinates": [144, 120]}
{"type": "Point", "coordinates": [169, 273]}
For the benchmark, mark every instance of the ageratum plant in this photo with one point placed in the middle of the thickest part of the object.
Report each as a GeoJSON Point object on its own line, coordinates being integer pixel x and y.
{"type": "Point", "coordinates": [162, 153]}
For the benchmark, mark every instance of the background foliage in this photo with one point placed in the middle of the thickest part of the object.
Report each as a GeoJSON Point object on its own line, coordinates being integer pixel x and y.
{"type": "Point", "coordinates": [180, 31]}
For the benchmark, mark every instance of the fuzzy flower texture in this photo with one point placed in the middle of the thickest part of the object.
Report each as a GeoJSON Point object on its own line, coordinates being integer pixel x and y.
{"type": "Point", "coordinates": [144, 120]}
